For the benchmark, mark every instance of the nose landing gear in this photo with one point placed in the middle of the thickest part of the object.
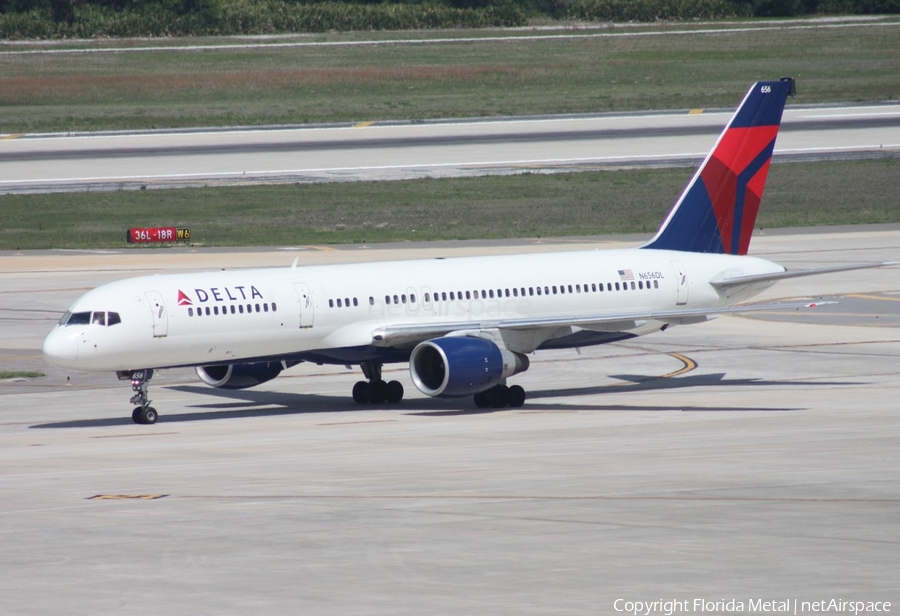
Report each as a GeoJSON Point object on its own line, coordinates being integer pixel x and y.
{"type": "Point", "coordinates": [143, 414]}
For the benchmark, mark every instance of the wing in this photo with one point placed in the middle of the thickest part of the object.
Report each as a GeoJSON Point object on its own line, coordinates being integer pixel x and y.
{"type": "Point", "coordinates": [406, 334]}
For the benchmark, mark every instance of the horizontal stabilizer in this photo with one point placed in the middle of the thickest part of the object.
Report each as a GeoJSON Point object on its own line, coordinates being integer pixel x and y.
{"type": "Point", "coordinates": [737, 281]}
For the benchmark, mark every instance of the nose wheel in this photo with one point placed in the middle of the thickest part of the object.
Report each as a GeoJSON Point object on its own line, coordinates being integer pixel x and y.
{"type": "Point", "coordinates": [143, 414]}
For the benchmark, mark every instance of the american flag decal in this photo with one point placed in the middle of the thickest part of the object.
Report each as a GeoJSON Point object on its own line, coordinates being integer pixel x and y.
{"type": "Point", "coordinates": [625, 275]}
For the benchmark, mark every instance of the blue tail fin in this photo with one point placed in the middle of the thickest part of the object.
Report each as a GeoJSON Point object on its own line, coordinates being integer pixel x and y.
{"type": "Point", "coordinates": [717, 210]}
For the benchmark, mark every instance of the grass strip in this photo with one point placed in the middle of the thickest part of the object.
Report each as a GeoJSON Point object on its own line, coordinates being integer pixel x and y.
{"type": "Point", "coordinates": [638, 68]}
{"type": "Point", "coordinates": [531, 205]}
{"type": "Point", "coordinates": [20, 375]}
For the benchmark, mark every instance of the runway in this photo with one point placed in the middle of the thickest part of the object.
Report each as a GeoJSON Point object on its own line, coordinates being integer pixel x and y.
{"type": "Point", "coordinates": [371, 151]}
{"type": "Point", "coordinates": [739, 459]}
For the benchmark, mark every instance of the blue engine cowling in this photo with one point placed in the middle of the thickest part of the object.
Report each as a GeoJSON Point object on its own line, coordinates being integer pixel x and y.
{"type": "Point", "coordinates": [452, 367]}
{"type": "Point", "coordinates": [239, 376]}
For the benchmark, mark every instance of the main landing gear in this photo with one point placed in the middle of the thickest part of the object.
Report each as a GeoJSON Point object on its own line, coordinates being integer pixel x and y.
{"type": "Point", "coordinates": [143, 414]}
{"type": "Point", "coordinates": [500, 396]}
{"type": "Point", "coordinates": [375, 390]}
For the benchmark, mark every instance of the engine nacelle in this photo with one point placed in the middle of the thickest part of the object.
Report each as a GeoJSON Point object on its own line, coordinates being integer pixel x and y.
{"type": "Point", "coordinates": [239, 376]}
{"type": "Point", "coordinates": [452, 367]}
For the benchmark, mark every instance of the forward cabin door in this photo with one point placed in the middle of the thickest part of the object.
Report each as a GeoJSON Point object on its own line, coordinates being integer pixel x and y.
{"type": "Point", "coordinates": [306, 305]}
{"type": "Point", "coordinates": [160, 316]}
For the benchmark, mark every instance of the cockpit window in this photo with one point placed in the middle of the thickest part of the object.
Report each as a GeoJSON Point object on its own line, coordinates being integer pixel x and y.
{"type": "Point", "coordinates": [79, 318]}
{"type": "Point", "coordinates": [97, 317]}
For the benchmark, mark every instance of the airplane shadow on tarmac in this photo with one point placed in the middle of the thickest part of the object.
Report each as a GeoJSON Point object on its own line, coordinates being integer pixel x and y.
{"type": "Point", "coordinates": [249, 403]}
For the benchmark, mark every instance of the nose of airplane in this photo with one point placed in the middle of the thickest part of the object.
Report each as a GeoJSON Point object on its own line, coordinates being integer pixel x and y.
{"type": "Point", "coordinates": [61, 348]}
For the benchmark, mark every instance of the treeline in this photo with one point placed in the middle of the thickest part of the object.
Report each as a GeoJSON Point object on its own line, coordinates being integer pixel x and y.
{"type": "Point", "coordinates": [127, 18]}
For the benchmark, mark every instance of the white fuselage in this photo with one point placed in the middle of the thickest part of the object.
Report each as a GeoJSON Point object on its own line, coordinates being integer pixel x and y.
{"type": "Point", "coordinates": [334, 312]}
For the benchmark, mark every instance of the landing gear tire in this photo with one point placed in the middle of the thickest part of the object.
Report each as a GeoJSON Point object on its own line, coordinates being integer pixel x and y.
{"type": "Point", "coordinates": [482, 399]}
{"type": "Point", "coordinates": [144, 415]}
{"type": "Point", "coordinates": [361, 392]}
{"type": "Point", "coordinates": [500, 396]}
{"type": "Point", "coordinates": [394, 392]}
{"type": "Point", "coordinates": [516, 396]}
{"type": "Point", "coordinates": [378, 392]}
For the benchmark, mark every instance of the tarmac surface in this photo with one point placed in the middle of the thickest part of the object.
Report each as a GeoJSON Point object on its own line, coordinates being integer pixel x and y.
{"type": "Point", "coordinates": [741, 459]}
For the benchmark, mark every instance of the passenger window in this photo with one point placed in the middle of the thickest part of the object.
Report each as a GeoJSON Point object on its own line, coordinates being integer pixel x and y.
{"type": "Point", "coordinates": [355, 303]}
{"type": "Point", "coordinates": [371, 301]}
{"type": "Point", "coordinates": [190, 312]}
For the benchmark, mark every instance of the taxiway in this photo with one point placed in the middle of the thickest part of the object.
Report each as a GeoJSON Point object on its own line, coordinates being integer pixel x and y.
{"type": "Point", "coordinates": [741, 458]}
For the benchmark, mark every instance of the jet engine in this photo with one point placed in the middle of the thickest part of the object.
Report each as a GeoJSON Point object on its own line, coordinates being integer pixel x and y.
{"type": "Point", "coordinates": [453, 367]}
{"type": "Point", "coordinates": [239, 376]}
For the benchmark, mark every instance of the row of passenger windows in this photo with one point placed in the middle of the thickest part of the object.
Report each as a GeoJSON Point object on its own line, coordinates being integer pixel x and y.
{"type": "Point", "coordinates": [443, 296]}
{"type": "Point", "coordinates": [231, 309]}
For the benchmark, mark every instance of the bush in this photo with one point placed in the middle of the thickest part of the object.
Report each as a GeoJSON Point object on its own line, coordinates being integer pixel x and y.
{"type": "Point", "coordinates": [126, 18]}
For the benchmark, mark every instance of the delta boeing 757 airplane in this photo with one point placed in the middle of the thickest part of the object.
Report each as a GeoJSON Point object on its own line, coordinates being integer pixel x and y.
{"type": "Point", "coordinates": [464, 325]}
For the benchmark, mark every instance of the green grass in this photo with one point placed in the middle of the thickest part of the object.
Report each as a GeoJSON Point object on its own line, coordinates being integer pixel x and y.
{"type": "Point", "coordinates": [587, 203]}
{"type": "Point", "coordinates": [20, 375]}
{"type": "Point", "coordinates": [168, 88]}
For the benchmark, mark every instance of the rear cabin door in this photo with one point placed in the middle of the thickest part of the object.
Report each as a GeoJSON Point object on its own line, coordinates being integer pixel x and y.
{"type": "Point", "coordinates": [681, 283]}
